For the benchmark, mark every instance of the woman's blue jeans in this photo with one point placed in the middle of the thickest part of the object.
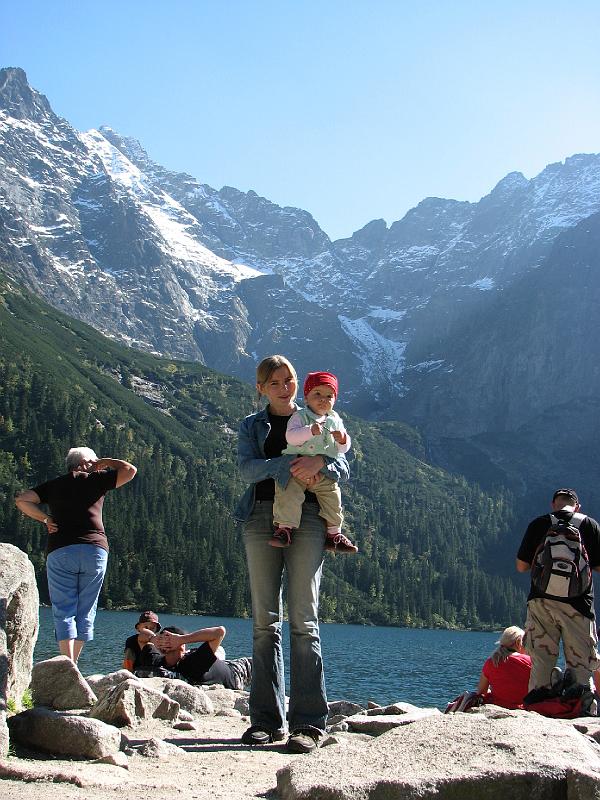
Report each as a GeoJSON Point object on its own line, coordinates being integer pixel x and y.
{"type": "Point", "coordinates": [75, 576]}
{"type": "Point", "coordinates": [303, 562]}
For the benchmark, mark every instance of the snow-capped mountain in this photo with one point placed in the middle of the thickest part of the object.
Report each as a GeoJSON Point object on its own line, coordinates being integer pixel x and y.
{"type": "Point", "coordinates": [397, 292]}
{"type": "Point", "coordinates": [418, 319]}
{"type": "Point", "coordinates": [107, 241]}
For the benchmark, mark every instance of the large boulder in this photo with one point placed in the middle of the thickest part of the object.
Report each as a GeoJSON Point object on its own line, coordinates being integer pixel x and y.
{"type": "Point", "coordinates": [57, 683]}
{"type": "Point", "coordinates": [130, 703]}
{"type": "Point", "coordinates": [64, 734]}
{"type": "Point", "coordinates": [196, 700]}
{"type": "Point", "coordinates": [19, 614]}
{"type": "Point", "coordinates": [474, 756]}
{"type": "Point", "coordinates": [101, 684]}
{"type": "Point", "coordinates": [192, 699]}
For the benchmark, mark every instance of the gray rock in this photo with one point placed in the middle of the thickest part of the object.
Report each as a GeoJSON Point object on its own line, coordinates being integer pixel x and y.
{"type": "Point", "coordinates": [521, 756]}
{"type": "Point", "coordinates": [19, 604]}
{"type": "Point", "coordinates": [153, 683]}
{"type": "Point", "coordinates": [229, 712]}
{"type": "Point", "coordinates": [338, 727]}
{"type": "Point", "coordinates": [126, 745]}
{"type": "Point", "coordinates": [130, 702]}
{"type": "Point", "coordinates": [242, 704]}
{"type": "Point", "coordinates": [378, 724]}
{"type": "Point", "coordinates": [115, 759]}
{"type": "Point", "coordinates": [582, 785]}
{"type": "Point", "coordinates": [588, 725]}
{"type": "Point", "coordinates": [185, 716]}
{"type": "Point", "coordinates": [344, 708]}
{"type": "Point", "coordinates": [329, 740]}
{"type": "Point", "coordinates": [57, 683]}
{"type": "Point", "coordinates": [221, 697]}
{"type": "Point", "coordinates": [190, 698]}
{"type": "Point", "coordinates": [64, 734]}
{"type": "Point", "coordinates": [100, 684]}
{"type": "Point", "coordinates": [185, 725]}
{"type": "Point", "coordinates": [395, 708]}
{"type": "Point", "coordinates": [157, 748]}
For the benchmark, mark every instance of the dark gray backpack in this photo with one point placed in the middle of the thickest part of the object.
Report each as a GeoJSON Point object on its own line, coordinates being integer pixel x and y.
{"type": "Point", "coordinates": [560, 569]}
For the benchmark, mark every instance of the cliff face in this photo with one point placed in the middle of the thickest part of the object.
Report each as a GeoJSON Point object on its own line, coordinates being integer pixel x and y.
{"type": "Point", "coordinates": [521, 379]}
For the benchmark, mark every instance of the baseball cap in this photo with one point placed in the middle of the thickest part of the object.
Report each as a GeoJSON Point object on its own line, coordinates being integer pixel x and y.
{"type": "Point", "coordinates": [570, 493]}
{"type": "Point", "coordinates": [147, 616]}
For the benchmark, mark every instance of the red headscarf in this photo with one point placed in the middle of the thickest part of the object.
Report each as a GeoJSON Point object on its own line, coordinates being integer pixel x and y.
{"type": "Point", "coordinates": [320, 379]}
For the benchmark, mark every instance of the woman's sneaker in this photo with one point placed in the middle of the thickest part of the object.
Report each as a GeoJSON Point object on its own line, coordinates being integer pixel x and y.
{"type": "Point", "coordinates": [338, 543]}
{"type": "Point", "coordinates": [282, 537]}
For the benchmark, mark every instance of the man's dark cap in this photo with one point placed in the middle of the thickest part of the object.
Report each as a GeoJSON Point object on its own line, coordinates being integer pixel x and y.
{"type": "Point", "coordinates": [173, 629]}
{"type": "Point", "coordinates": [148, 616]}
{"type": "Point", "coordinates": [570, 493]}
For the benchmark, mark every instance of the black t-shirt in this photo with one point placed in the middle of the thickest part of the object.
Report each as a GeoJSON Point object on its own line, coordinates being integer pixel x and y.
{"type": "Point", "coordinates": [275, 444]}
{"type": "Point", "coordinates": [590, 535]}
{"type": "Point", "coordinates": [75, 501]}
{"type": "Point", "coordinates": [191, 666]}
{"type": "Point", "coordinates": [132, 650]}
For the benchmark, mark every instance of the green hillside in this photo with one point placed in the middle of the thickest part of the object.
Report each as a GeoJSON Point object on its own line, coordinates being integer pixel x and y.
{"type": "Point", "coordinates": [423, 534]}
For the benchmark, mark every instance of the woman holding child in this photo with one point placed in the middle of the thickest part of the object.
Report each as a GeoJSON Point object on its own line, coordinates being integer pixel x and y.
{"type": "Point", "coordinates": [262, 438]}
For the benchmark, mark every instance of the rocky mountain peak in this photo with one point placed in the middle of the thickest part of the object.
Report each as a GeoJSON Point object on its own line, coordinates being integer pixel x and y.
{"type": "Point", "coordinates": [129, 146]}
{"type": "Point", "coordinates": [371, 234]}
{"type": "Point", "coordinates": [17, 97]}
{"type": "Point", "coordinates": [511, 183]}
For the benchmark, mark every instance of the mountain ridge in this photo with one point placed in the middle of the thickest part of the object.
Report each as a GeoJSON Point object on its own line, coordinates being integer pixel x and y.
{"type": "Point", "coordinates": [164, 263]}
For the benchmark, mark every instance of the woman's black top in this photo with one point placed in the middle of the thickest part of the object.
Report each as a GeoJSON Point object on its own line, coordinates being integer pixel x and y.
{"type": "Point", "coordinates": [275, 443]}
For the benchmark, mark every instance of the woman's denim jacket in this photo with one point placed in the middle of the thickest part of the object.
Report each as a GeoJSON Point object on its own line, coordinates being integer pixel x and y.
{"type": "Point", "coordinates": [255, 467]}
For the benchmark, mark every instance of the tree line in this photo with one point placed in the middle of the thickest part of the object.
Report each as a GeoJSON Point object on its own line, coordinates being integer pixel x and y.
{"type": "Point", "coordinates": [424, 535]}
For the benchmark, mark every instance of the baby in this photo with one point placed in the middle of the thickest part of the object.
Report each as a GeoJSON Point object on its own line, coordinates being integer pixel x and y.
{"type": "Point", "coordinates": [315, 430]}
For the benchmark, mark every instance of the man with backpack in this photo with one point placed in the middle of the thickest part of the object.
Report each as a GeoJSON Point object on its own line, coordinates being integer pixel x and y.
{"type": "Point", "coordinates": [561, 549]}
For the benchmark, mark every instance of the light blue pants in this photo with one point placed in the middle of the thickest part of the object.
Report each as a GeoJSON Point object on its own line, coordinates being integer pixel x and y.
{"type": "Point", "coordinates": [75, 576]}
{"type": "Point", "coordinates": [303, 562]}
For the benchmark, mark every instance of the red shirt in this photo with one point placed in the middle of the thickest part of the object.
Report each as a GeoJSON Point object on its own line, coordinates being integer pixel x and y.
{"type": "Point", "coordinates": [509, 681]}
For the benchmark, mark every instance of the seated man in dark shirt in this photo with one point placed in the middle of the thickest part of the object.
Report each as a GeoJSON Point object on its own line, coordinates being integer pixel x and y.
{"type": "Point", "coordinates": [197, 666]}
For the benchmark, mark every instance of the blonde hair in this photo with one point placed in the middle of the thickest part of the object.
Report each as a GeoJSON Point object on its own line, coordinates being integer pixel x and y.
{"type": "Point", "coordinates": [508, 643]}
{"type": "Point", "coordinates": [268, 366]}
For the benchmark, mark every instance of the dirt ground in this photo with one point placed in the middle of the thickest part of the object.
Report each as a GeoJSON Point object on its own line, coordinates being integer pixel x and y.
{"type": "Point", "coordinates": [212, 765]}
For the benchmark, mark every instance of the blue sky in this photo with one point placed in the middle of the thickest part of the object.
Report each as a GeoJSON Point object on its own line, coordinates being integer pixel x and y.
{"type": "Point", "coordinates": [351, 110]}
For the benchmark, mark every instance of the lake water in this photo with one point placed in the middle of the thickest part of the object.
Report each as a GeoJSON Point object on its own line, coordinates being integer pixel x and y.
{"type": "Point", "coordinates": [424, 667]}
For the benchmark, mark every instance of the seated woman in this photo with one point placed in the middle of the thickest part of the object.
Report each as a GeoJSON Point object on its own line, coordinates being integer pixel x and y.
{"type": "Point", "coordinates": [504, 678]}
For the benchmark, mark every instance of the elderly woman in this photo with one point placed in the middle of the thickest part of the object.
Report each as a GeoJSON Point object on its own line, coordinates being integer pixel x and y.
{"type": "Point", "coordinates": [504, 678]}
{"type": "Point", "coordinates": [77, 544]}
